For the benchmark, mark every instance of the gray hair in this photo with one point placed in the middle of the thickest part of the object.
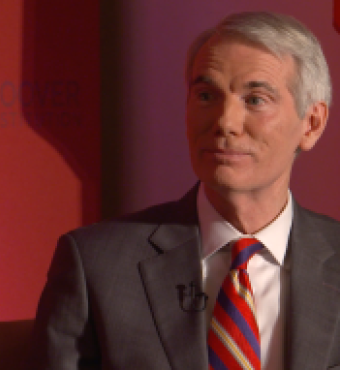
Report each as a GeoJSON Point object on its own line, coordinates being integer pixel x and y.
{"type": "Point", "coordinates": [281, 35]}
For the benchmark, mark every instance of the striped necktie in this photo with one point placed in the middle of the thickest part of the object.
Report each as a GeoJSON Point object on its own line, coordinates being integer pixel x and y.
{"type": "Point", "coordinates": [233, 339]}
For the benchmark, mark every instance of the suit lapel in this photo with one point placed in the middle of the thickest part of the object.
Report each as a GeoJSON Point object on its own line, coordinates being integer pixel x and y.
{"type": "Point", "coordinates": [314, 295]}
{"type": "Point", "coordinates": [173, 281]}
{"type": "Point", "coordinates": [314, 277]}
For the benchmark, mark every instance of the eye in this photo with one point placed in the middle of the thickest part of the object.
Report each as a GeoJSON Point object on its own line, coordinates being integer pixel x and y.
{"type": "Point", "coordinates": [254, 100]}
{"type": "Point", "coordinates": [205, 96]}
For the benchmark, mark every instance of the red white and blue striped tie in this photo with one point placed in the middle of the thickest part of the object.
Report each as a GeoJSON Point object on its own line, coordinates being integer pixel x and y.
{"type": "Point", "coordinates": [233, 339]}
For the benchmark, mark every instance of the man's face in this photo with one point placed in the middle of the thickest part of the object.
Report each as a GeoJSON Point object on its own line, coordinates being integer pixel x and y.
{"type": "Point", "coordinates": [242, 125]}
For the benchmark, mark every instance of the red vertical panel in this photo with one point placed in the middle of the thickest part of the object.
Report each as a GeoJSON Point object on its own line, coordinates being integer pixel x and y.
{"type": "Point", "coordinates": [49, 139]}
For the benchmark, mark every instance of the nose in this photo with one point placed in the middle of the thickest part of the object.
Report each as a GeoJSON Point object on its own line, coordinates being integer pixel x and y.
{"type": "Point", "coordinates": [231, 117]}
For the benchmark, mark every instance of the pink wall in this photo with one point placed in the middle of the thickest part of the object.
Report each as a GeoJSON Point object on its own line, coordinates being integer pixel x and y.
{"type": "Point", "coordinates": [49, 142]}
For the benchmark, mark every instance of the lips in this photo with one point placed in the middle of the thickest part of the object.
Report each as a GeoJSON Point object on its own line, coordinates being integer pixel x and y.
{"type": "Point", "coordinates": [226, 154]}
{"type": "Point", "coordinates": [228, 151]}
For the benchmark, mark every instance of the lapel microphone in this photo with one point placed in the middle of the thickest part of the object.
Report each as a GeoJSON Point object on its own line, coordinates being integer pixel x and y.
{"type": "Point", "coordinates": [191, 299]}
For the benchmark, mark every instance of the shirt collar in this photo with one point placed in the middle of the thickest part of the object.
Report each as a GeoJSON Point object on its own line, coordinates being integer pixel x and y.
{"type": "Point", "coordinates": [216, 232]}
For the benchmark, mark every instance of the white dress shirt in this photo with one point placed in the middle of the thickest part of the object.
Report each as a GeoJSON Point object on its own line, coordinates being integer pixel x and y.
{"type": "Point", "coordinates": [267, 276]}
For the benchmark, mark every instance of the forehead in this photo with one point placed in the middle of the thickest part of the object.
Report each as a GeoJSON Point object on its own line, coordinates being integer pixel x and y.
{"type": "Point", "coordinates": [232, 57]}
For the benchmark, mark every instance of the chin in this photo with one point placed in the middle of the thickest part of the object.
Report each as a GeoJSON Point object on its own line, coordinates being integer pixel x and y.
{"type": "Point", "coordinates": [223, 177]}
{"type": "Point", "coordinates": [222, 182]}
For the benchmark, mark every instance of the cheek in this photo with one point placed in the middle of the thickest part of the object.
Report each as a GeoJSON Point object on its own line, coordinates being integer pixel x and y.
{"type": "Point", "coordinates": [193, 138]}
{"type": "Point", "coordinates": [194, 125]}
{"type": "Point", "coordinates": [191, 132]}
{"type": "Point", "coordinates": [271, 128]}
{"type": "Point", "coordinates": [199, 123]}
{"type": "Point", "coordinates": [280, 142]}
{"type": "Point", "coordinates": [189, 125]}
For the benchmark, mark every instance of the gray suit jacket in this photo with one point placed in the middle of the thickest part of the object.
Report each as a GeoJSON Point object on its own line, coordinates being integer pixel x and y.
{"type": "Point", "coordinates": [115, 295]}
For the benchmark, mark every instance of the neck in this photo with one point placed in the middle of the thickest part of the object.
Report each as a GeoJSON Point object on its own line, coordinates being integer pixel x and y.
{"type": "Point", "coordinates": [248, 212]}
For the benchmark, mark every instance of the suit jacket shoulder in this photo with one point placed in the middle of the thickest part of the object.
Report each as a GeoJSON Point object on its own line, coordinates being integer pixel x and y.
{"type": "Point", "coordinates": [313, 315]}
{"type": "Point", "coordinates": [112, 288]}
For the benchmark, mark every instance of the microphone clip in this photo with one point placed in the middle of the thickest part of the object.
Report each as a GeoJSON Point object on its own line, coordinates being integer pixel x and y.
{"type": "Point", "coordinates": [190, 298]}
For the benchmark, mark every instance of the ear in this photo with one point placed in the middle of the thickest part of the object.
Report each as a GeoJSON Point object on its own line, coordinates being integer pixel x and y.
{"type": "Point", "coordinates": [314, 122]}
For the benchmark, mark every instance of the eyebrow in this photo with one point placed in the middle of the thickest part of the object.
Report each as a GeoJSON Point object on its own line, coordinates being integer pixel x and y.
{"type": "Point", "coordinates": [201, 79]}
{"type": "Point", "coordinates": [262, 84]}
{"type": "Point", "coordinates": [247, 86]}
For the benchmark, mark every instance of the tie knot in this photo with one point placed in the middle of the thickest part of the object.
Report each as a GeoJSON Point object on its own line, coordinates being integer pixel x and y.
{"type": "Point", "coordinates": [243, 250]}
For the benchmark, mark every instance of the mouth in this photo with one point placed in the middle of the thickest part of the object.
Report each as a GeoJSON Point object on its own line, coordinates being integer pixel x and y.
{"type": "Point", "coordinates": [227, 155]}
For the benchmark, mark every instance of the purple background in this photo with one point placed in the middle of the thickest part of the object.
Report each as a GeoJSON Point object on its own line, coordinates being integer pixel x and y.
{"type": "Point", "coordinates": [154, 153]}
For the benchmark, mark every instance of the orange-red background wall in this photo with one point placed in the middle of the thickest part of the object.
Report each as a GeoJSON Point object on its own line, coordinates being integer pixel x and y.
{"type": "Point", "coordinates": [76, 146]}
{"type": "Point", "coordinates": [49, 138]}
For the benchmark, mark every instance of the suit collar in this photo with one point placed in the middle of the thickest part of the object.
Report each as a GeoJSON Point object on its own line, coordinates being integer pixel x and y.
{"type": "Point", "coordinates": [167, 281]}
{"type": "Point", "coordinates": [173, 284]}
{"type": "Point", "coordinates": [314, 303]}
{"type": "Point", "coordinates": [306, 229]}
{"type": "Point", "coordinates": [180, 225]}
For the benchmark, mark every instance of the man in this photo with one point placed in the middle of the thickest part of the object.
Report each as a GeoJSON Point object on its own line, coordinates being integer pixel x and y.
{"type": "Point", "coordinates": [131, 293]}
